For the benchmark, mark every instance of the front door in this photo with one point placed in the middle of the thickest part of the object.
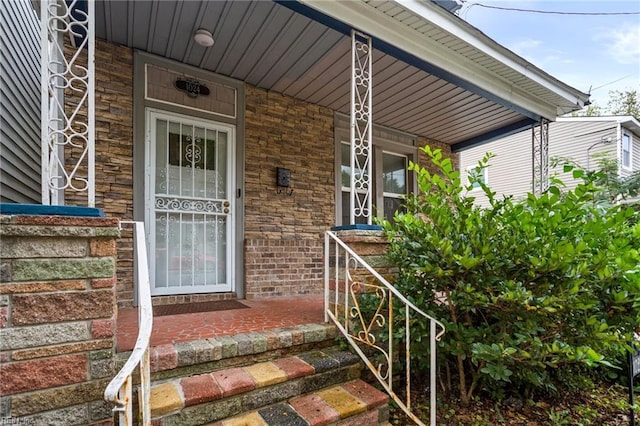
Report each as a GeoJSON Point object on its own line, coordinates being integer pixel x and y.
{"type": "Point", "coordinates": [189, 210]}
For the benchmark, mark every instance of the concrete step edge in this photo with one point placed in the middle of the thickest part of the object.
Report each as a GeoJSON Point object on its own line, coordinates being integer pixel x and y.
{"type": "Point", "coordinates": [187, 358]}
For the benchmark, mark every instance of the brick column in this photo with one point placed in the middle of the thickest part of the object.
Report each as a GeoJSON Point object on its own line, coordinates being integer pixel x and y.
{"type": "Point", "coordinates": [371, 245]}
{"type": "Point", "coordinates": [57, 319]}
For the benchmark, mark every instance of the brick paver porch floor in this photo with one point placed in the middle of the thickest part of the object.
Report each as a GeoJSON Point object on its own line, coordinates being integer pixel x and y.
{"type": "Point", "coordinates": [262, 314]}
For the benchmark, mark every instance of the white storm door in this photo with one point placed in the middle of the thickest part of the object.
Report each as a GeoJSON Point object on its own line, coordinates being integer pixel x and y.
{"type": "Point", "coordinates": [189, 211]}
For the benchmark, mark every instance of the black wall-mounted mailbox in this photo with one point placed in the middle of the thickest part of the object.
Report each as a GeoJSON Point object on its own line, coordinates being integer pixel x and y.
{"type": "Point", "coordinates": [283, 177]}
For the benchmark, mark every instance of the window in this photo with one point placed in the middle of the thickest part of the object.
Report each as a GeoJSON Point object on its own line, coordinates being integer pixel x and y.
{"type": "Point", "coordinates": [394, 183]}
{"type": "Point", "coordinates": [346, 184]}
{"type": "Point", "coordinates": [478, 175]}
{"type": "Point", "coordinates": [392, 152]}
{"type": "Point", "coordinates": [626, 151]}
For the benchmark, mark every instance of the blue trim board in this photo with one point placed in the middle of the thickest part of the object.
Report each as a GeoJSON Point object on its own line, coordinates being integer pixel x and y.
{"type": "Point", "coordinates": [43, 210]}
{"type": "Point", "coordinates": [400, 54]}
{"type": "Point", "coordinates": [357, 226]}
{"type": "Point", "coordinates": [502, 132]}
{"type": "Point", "coordinates": [313, 14]}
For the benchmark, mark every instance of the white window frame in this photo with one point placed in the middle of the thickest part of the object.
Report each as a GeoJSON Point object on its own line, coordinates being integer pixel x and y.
{"type": "Point", "coordinates": [485, 177]}
{"type": "Point", "coordinates": [384, 140]}
{"type": "Point", "coordinates": [380, 180]}
{"type": "Point", "coordinates": [628, 166]}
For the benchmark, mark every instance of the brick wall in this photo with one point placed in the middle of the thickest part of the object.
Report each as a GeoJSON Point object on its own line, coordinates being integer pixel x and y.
{"type": "Point", "coordinates": [277, 267]}
{"type": "Point", "coordinates": [57, 318]}
{"type": "Point", "coordinates": [283, 233]}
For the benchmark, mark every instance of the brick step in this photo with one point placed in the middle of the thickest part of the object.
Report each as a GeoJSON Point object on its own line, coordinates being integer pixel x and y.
{"type": "Point", "coordinates": [349, 404]}
{"type": "Point", "coordinates": [208, 355]}
{"type": "Point", "coordinates": [320, 386]}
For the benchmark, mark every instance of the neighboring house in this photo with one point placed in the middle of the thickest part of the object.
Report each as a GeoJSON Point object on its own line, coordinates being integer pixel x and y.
{"type": "Point", "coordinates": [19, 103]}
{"type": "Point", "coordinates": [200, 167]}
{"type": "Point", "coordinates": [580, 139]}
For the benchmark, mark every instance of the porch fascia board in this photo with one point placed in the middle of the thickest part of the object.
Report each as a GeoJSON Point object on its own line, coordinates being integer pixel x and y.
{"type": "Point", "coordinates": [502, 132]}
{"type": "Point", "coordinates": [364, 18]}
{"type": "Point", "coordinates": [477, 39]}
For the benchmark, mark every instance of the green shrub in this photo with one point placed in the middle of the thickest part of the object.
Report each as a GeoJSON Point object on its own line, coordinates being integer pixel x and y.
{"type": "Point", "coordinates": [523, 287]}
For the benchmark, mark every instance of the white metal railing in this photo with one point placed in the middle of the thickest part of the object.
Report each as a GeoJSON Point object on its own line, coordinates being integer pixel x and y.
{"type": "Point", "coordinates": [119, 390]}
{"type": "Point", "coordinates": [362, 306]}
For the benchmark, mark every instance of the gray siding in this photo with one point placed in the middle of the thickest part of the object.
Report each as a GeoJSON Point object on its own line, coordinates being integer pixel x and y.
{"type": "Point", "coordinates": [510, 171]}
{"type": "Point", "coordinates": [19, 103]}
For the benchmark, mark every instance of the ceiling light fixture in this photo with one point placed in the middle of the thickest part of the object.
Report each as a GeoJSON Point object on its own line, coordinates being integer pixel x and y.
{"type": "Point", "coordinates": [203, 38]}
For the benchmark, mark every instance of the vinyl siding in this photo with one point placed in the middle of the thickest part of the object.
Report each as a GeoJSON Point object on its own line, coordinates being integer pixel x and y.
{"type": "Point", "coordinates": [510, 171]}
{"type": "Point", "coordinates": [571, 140]}
{"type": "Point", "coordinates": [19, 103]}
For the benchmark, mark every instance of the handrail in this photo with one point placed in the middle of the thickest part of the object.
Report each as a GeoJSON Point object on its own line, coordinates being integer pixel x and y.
{"type": "Point", "coordinates": [358, 329]}
{"type": "Point", "coordinates": [119, 390]}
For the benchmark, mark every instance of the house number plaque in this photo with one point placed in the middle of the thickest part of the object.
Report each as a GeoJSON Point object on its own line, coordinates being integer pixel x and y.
{"type": "Point", "coordinates": [192, 87]}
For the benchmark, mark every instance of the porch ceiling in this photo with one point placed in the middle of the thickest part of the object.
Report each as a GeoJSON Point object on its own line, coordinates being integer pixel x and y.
{"type": "Point", "coordinates": [268, 45]}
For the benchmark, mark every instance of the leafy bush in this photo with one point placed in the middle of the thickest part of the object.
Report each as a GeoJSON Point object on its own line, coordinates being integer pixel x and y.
{"type": "Point", "coordinates": [523, 287]}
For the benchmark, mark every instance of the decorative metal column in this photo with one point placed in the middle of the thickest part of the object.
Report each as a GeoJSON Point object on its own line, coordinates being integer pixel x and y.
{"type": "Point", "coordinates": [361, 127]}
{"type": "Point", "coordinates": [67, 128]}
{"type": "Point", "coordinates": [540, 156]}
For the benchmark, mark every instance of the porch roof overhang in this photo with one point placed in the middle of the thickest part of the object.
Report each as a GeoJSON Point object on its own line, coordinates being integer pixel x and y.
{"type": "Point", "coordinates": [434, 75]}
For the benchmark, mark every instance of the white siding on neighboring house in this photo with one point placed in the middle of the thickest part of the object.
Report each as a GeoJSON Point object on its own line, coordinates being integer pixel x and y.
{"type": "Point", "coordinates": [573, 140]}
{"type": "Point", "coordinates": [510, 171]}
{"type": "Point", "coordinates": [19, 103]}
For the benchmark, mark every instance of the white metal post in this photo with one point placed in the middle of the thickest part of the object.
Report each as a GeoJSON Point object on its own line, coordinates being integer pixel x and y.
{"type": "Point", "coordinates": [64, 128]}
{"type": "Point", "coordinates": [432, 372]}
{"type": "Point", "coordinates": [540, 156]}
{"type": "Point", "coordinates": [361, 134]}
{"type": "Point", "coordinates": [91, 87]}
{"type": "Point", "coordinates": [44, 103]}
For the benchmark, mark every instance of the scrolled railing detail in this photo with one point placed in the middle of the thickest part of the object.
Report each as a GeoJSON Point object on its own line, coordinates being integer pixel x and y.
{"type": "Point", "coordinates": [361, 303]}
{"type": "Point", "coordinates": [377, 319]}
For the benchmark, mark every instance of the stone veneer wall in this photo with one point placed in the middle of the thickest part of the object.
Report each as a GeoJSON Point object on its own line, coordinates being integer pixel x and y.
{"type": "Point", "coordinates": [57, 319]}
{"type": "Point", "coordinates": [424, 161]}
{"type": "Point", "coordinates": [113, 150]}
{"type": "Point", "coordinates": [284, 233]}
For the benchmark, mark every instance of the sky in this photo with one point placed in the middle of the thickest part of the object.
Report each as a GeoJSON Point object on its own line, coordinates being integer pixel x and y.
{"type": "Point", "coordinates": [592, 53]}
